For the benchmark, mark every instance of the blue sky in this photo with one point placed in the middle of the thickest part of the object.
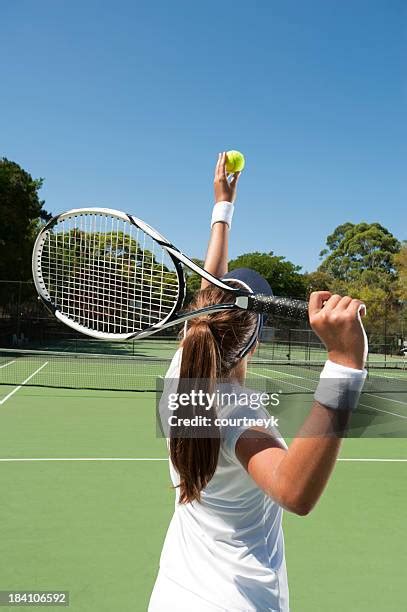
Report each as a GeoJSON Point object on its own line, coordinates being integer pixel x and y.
{"type": "Point", "coordinates": [125, 104]}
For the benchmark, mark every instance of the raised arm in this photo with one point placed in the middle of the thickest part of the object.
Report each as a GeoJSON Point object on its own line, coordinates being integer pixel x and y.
{"type": "Point", "coordinates": [216, 261]}
{"type": "Point", "coordinates": [295, 478]}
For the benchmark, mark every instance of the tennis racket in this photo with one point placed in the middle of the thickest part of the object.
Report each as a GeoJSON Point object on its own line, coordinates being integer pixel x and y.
{"type": "Point", "coordinates": [110, 275]}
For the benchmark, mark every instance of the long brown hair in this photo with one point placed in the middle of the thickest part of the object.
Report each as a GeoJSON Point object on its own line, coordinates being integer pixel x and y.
{"type": "Point", "coordinates": [211, 349]}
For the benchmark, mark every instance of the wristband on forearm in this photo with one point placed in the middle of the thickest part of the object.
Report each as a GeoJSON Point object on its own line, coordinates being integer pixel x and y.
{"type": "Point", "coordinates": [340, 387]}
{"type": "Point", "coordinates": [222, 212]}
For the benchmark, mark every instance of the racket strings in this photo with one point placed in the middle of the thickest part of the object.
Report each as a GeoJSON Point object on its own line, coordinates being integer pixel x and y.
{"type": "Point", "coordinates": [108, 275]}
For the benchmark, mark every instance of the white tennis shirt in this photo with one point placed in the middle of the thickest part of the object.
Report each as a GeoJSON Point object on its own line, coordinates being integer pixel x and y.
{"type": "Point", "coordinates": [225, 553]}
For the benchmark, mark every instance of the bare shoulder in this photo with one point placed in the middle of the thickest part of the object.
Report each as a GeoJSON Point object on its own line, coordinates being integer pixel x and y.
{"type": "Point", "coordinates": [255, 442]}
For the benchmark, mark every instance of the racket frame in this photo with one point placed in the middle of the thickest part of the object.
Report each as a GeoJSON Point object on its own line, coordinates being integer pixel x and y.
{"type": "Point", "coordinates": [178, 258]}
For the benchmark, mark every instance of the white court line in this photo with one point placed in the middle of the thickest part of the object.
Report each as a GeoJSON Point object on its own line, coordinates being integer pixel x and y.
{"type": "Point", "coordinates": [390, 399]}
{"type": "Point", "coordinates": [376, 460]}
{"type": "Point", "coordinates": [282, 382]}
{"type": "Point", "coordinates": [23, 383]}
{"type": "Point", "coordinates": [116, 374]}
{"type": "Point", "coordinates": [401, 416]}
{"type": "Point", "coordinates": [18, 459]}
{"type": "Point", "coordinates": [33, 459]}
{"type": "Point", "coordinates": [389, 377]}
{"type": "Point", "coordinates": [277, 372]}
{"type": "Point", "coordinates": [7, 364]}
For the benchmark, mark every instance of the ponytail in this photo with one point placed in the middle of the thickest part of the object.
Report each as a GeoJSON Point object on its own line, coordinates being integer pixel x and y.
{"type": "Point", "coordinates": [211, 350]}
{"type": "Point", "coordinates": [196, 458]}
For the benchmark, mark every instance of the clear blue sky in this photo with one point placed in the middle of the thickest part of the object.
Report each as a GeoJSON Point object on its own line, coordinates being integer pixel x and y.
{"type": "Point", "coordinates": [126, 104]}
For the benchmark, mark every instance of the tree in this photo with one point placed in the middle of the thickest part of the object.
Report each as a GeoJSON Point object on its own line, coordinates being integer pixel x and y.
{"type": "Point", "coordinates": [283, 276]}
{"type": "Point", "coordinates": [363, 260]}
{"type": "Point", "coordinates": [366, 249]}
{"type": "Point", "coordinates": [21, 212]}
{"type": "Point", "coordinates": [319, 281]}
{"type": "Point", "coordinates": [382, 313]}
{"type": "Point", "coordinates": [400, 262]}
{"type": "Point", "coordinates": [333, 241]}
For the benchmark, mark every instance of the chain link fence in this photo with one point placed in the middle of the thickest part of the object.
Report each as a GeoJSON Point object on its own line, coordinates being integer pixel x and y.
{"type": "Point", "coordinates": [26, 323]}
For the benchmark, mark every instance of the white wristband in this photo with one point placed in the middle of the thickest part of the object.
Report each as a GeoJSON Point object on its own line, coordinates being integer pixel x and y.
{"type": "Point", "coordinates": [222, 212]}
{"type": "Point", "coordinates": [336, 370]}
{"type": "Point", "coordinates": [340, 387]}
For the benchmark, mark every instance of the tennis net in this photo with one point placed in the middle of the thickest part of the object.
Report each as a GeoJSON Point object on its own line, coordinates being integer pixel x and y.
{"type": "Point", "coordinates": [127, 373]}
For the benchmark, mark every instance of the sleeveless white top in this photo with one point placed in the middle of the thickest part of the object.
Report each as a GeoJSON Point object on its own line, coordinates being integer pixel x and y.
{"type": "Point", "coordinates": [227, 551]}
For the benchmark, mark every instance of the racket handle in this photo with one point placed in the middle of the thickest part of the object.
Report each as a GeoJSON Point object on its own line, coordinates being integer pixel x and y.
{"type": "Point", "coordinates": [284, 307]}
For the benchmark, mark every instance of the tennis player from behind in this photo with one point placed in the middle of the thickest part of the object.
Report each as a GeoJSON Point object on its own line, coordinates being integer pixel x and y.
{"type": "Point", "coordinates": [224, 549]}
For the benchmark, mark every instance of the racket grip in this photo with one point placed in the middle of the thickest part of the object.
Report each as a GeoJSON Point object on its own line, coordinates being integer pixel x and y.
{"type": "Point", "coordinates": [287, 308]}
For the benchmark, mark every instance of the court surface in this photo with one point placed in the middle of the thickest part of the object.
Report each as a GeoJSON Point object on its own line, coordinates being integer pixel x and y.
{"type": "Point", "coordinates": [86, 500]}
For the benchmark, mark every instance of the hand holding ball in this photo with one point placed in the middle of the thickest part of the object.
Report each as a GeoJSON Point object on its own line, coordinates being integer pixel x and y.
{"type": "Point", "coordinates": [234, 161]}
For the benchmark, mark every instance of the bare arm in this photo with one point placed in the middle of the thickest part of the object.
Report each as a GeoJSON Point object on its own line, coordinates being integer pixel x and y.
{"type": "Point", "coordinates": [216, 261]}
{"type": "Point", "coordinates": [295, 478]}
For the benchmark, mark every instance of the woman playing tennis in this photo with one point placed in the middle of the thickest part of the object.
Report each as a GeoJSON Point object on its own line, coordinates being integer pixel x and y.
{"type": "Point", "coordinates": [224, 549]}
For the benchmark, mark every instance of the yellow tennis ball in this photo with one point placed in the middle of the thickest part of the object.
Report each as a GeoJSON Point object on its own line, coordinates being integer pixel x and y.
{"type": "Point", "coordinates": [234, 161]}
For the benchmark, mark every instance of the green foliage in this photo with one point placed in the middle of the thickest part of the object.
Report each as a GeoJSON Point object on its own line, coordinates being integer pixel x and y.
{"type": "Point", "coordinates": [124, 267]}
{"type": "Point", "coordinates": [193, 280]}
{"type": "Point", "coordinates": [334, 240]}
{"type": "Point", "coordinates": [382, 308]}
{"type": "Point", "coordinates": [283, 276]}
{"type": "Point", "coordinates": [362, 251]}
{"type": "Point", "coordinates": [400, 262]}
{"type": "Point", "coordinates": [364, 260]}
{"type": "Point", "coordinates": [21, 212]}
{"type": "Point", "coordinates": [318, 281]}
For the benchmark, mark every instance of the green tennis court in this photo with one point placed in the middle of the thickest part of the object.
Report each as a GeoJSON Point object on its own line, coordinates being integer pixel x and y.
{"type": "Point", "coordinates": [87, 497]}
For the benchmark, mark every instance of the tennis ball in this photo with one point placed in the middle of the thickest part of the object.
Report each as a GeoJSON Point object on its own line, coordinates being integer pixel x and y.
{"type": "Point", "coordinates": [234, 161]}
